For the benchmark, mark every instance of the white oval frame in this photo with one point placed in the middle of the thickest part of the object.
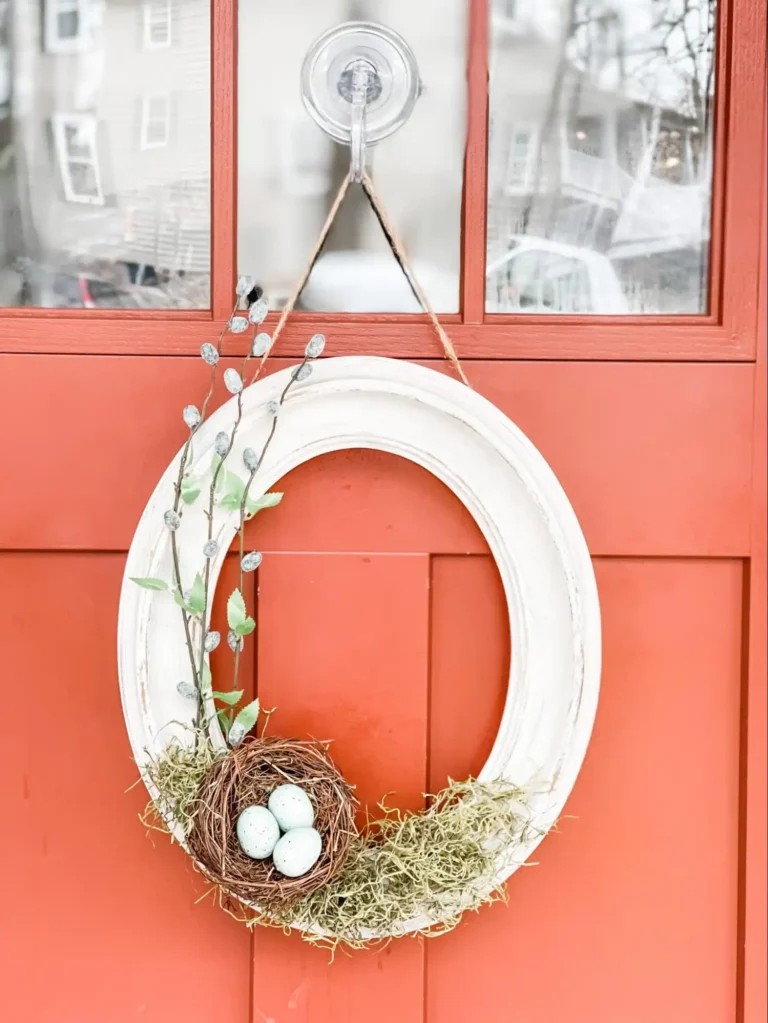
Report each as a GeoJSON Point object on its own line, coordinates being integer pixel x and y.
{"type": "Point", "coordinates": [507, 486]}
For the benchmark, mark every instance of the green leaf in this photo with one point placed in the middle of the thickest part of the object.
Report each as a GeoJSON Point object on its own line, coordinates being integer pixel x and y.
{"type": "Point", "coordinates": [230, 501]}
{"type": "Point", "coordinates": [246, 627]}
{"type": "Point", "coordinates": [257, 504]}
{"type": "Point", "coordinates": [268, 501]}
{"type": "Point", "coordinates": [148, 583]}
{"type": "Point", "coordinates": [233, 485]}
{"type": "Point", "coordinates": [196, 598]}
{"type": "Point", "coordinates": [231, 699]}
{"type": "Point", "coordinates": [178, 596]}
{"type": "Point", "coordinates": [248, 716]}
{"type": "Point", "coordinates": [236, 614]}
{"type": "Point", "coordinates": [225, 719]}
{"type": "Point", "coordinates": [215, 463]}
{"type": "Point", "coordinates": [207, 678]}
{"type": "Point", "coordinates": [190, 489]}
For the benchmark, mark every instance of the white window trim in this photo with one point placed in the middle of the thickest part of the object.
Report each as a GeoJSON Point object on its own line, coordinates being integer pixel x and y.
{"type": "Point", "coordinates": [520, 186]}
{"type": "Point", "coordinates": [60, 122]}
{"type": "Point", "coordinates": [152, 9]}
{"type": "Point", "coordinates": [53, 41]}
{"type": "Point", "coordinates": [147, 116]}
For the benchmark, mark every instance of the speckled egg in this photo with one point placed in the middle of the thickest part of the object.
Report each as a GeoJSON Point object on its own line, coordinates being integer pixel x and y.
{"type": "Point", "coordinates": [291, 807]}
{"type": "Point", "coordinates": [257, 832]}
{"type": "Point", "coordinates": [297, 851]}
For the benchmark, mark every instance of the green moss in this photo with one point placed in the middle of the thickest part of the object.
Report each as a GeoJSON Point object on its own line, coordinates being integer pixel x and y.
{"type": "Point", "coordinates": [176, 775]}
{"type": "Point", "coordinates": [438, 863]}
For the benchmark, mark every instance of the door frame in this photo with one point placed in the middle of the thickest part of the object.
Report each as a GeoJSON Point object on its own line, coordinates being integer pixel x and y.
{"type": "Point", "coordinates": [734, 330]}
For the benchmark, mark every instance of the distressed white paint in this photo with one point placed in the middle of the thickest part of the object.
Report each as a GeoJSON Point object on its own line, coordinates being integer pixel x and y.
{"type": "Point", "coordinates": [469, 444]}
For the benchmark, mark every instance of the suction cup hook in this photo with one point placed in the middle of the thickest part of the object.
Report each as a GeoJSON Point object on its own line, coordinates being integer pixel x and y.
{"type": "Point", "coordinates": [360, 83]}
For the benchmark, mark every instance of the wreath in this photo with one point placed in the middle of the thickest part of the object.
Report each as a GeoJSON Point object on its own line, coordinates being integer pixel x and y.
{"type": "Point", "coordinates": [269, 820]}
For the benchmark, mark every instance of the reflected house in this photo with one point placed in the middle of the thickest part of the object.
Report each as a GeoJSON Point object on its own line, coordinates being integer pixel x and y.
{"type": "Point", "coordinates": [110, 108]}
{"type": "Point", "coordinates": [5, 121]}
{"type": "Point", "coordinates": [110, 176]}
{"type": "Point", "coordinates": [600, 127]}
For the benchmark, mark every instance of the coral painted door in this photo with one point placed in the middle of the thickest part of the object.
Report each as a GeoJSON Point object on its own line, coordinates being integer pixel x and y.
{"type": "Point", "coordinates": [586, 216]}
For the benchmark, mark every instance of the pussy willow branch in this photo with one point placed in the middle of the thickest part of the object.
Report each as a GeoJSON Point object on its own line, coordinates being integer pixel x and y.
{"type": "Point", "coordinates": [244, 500]}
{"type": "Point", "coordinates": [197, 676]}
{"type": "Point", "coordinates": [212, 500]}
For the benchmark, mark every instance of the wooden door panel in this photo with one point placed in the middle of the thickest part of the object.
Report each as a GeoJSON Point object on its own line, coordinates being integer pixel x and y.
{"type": "Point", "coordinates": [632, 914]}
{"type": "Point", "coordinates": [469, 666]}
{"type": "Point", "coordinates": [425, 664]}
{"type": "Point", "coordinates": [98, 923]}
{"type": "Point", "coordinates": [655, 458]}
{"type": "Point", "coordinates": [343, 653]}
{"type": "Point", "coordinates": [296, 982]}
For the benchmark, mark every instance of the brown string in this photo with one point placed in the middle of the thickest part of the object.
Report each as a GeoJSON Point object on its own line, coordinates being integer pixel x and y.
{"type": "Point", "coordinates": [399, 253]}
{"type": "Point", "coordinates": [290, 304]}
{"type": "Point", "coordinates": [399, 250]}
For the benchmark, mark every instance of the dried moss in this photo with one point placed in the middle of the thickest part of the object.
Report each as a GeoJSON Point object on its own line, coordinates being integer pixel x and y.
{"type": "Point", "coordinates": [432, 866]}
{"type": "Point", "coordinates": [439, 864]}
{"type": "Point", "coordinates": [176, 774]}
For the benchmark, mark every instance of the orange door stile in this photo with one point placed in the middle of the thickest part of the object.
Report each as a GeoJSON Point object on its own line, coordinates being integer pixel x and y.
{"type": "Point", "coordinates": [381, 625]}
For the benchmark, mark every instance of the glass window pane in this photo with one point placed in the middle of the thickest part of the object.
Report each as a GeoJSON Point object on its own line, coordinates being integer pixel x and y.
{"type": "Point", "coordinates": [105, 154]}
{"type": "Point", "coordinates": [68, 24]}
{"type": "Point", "coordinates": [290, 171]}
{"type": "Point", "coordinates": [600, 156]}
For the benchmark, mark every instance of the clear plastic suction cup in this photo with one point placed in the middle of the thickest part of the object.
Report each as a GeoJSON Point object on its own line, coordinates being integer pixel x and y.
{"type": "Point", "coordinates": [343, 57]}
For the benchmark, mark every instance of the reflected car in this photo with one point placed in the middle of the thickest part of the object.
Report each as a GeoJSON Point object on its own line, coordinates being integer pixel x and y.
{"type": "Point", "coordinates": [540, 276]}
{"type": "Point", "coordinates": [69, 289]}
{"type": "Point", "coordinates": [535, 275]}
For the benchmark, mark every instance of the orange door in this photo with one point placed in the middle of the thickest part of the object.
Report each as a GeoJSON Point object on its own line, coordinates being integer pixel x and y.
{"type": "Point", "coordinates": [607, 243]}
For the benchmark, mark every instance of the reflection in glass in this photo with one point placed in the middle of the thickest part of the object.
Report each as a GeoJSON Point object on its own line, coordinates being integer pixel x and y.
{"type": "Point", "coordinates": [290, 171]}
{"type": "Point", "coordinates": [105, 153]}
{"type": "Point", "coordinates": [600, 162]}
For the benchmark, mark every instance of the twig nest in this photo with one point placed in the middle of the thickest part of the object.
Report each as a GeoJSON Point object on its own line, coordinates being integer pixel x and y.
{"type": "Point", "coordinates": [291, 807]}
{"type": "Point", "coordinates": [245, 780]}
{"type": "Point", "coordinates": [257, 832]}
{"type": "Point", "coordinates": [297, 852]}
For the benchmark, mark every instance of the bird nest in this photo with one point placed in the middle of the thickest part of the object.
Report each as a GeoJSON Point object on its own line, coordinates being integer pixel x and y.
{"type": "Point", "coordinates": [246, 777]}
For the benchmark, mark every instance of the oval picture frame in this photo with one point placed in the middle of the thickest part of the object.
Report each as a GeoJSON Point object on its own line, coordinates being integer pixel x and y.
{"type": "Point", "coordinates": [506, 485]}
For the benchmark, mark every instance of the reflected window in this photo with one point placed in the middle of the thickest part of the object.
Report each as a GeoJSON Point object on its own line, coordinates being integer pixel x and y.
{"type": "Point", "coordinates": [75, 139]}
{"type": "Point", "coordinates": [65, 26]}
{"type": "Point", "coordinates": [601, 141]}
{"type": "Point", "coordinates": [522, 152]}
{"type": "Point", "coordinates": [105, 154]}
{"type": "Point", "coordinates": [155, 121]}
{"type": "Point", "coordinates": [157, 25]}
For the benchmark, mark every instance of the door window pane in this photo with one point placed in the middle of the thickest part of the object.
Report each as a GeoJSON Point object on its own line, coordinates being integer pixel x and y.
{"type": "Point", "coordinates": [105, 153]}
{"type": "Point", "coordinates": [600, 156]}
{"type": "Point", "coordinates": [290, 171]}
